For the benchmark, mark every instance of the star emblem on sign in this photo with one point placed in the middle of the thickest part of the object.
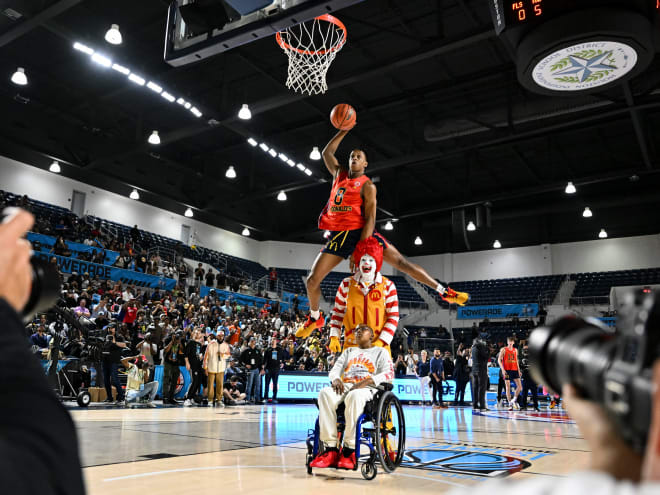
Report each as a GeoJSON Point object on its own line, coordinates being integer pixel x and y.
{"type": "Point", "coordinates": [585, 67]}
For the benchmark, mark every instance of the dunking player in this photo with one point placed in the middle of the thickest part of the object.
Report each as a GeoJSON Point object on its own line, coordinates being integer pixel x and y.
{"type": "Point", "coordinates": [508, 361]}
{"type": "Point", "coordinates": [350, 216]}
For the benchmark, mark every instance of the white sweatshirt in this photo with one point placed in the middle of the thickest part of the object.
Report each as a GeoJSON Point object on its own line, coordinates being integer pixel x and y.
{"type": "Point", "coordinates": [356, 365]}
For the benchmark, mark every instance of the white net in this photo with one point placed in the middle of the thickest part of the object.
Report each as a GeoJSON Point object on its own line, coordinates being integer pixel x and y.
{"type": "Point", "coordinates": [311, 48]}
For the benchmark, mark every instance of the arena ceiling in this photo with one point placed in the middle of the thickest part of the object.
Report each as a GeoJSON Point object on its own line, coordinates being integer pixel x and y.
{"type": "Point", "coordinates": [441, 115]}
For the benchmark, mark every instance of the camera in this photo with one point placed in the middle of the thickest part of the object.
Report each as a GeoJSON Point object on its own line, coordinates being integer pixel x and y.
{"type": "Point", "coordinates": [612, 367]}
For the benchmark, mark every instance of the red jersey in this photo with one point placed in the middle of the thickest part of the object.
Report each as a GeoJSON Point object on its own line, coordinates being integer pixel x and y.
{"type": "Point", "coordinates": [510, 359]}
{"type": "Point", "coordinates": [344, 208]}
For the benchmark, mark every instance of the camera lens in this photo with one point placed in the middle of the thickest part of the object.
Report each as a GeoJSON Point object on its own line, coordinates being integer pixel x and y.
{"type": "Point", "coordinates": [46, 287]}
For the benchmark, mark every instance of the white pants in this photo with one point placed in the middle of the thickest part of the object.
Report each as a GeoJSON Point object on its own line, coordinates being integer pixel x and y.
{"type": "Point", "coordinates": [354, 401]}
{"type": "Point", "coordinates": [424, 386]}
{"type": "Point", "coordinates": [150, 389]}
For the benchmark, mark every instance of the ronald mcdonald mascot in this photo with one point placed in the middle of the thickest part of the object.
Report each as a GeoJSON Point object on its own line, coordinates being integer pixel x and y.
{"type": "Point", "coordinates": [365, 298]}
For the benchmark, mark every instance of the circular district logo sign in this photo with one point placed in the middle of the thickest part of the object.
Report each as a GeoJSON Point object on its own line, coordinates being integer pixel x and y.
{"type": "Point", "coordinates": [585, 66]}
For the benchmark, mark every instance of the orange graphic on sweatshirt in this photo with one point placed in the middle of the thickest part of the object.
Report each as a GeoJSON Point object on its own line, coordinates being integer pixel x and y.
{"type": "Point", "coordinates": [358, 369]}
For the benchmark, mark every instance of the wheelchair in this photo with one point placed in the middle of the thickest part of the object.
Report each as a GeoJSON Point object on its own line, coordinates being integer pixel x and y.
{"type": "Point", "coordinates": [381, 430]}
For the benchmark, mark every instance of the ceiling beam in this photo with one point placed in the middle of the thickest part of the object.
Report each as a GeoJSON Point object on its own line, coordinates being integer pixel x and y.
{"type": "Point", "coordinates": [640, 131]}
{"type": "Point", "coordinates": [36, 21]}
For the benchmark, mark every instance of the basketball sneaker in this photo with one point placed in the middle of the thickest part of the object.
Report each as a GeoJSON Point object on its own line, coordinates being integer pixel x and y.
{"type": "Point", "coordinates": [347, 462]}
{"type": "Point", "coordinates": [453, 297]}
{"type": "Point", "coordinates": [327, 459]}
{"type": "Point", "coordinates": [309, 326]}
{"type": "Point", "coordinates": [552, 404]}
{"type": "Point", "coordinates": [516, 406]}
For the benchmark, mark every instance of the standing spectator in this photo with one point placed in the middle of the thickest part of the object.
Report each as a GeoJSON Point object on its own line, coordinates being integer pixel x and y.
{"type": "Point", "coordinates": [411, 360]}
{"type": "Point", "coordinates": [111, 360]}
{"type": "Point", "coordinates": [194, 356]}
{"type": "Point", "coordinates": [183, 274]}
{"type": "Point", "coordinates": [199, 274]}
{"type": "Point", "coordinates": [480, 355]}
{"type": "Point", "coordinates": [528, 382]}
{"type": "Point", "coordinates": [215, 371]}
{"type": "Point", "coordinates": [448, 364]}
{"type": "Point", "coordinates": [400, 367]}
{"type": "Point", "coordinates": [423, 373]}
{"type": "Point", "coordinates": [508, 361]}
{"type": "Point", "coordinates": [149, 350]}
{"type": "Point", "coordinates": [272, 362]}
{"type": "Point", "coordinates": [437, 377]}
{"type": "Point", "coordinates": [210, 278]}
{"type": "Point", "coordinates": [221, 279]}
{"type": "Point", "coordinates": [172, 355]}
{"type": "Point", "coordinates": [461, 376]}
{"type": "Point", "coordinates": [135, 235]}
{"type": "Point", "coordinates": [272, 277]}
{"type": "Point", "coordinates": [251, 359]}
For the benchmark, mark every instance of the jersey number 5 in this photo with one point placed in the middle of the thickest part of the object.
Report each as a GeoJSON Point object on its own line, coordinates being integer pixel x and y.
{"type": "Point", "coordinates": [339, 197]}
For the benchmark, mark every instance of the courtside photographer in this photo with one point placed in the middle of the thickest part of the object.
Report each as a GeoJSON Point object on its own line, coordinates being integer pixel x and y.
{"type": "Point", "coordinates": [38, 443]}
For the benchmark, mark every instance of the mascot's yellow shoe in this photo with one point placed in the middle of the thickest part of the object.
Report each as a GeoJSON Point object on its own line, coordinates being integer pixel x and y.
{"type": "Point", "coordinates": [306, 329]}
{"type": "Point", "coordinates": [453, 297]}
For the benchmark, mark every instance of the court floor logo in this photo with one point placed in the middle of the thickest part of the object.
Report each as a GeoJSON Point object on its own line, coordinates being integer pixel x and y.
{"type": "Point", "coordinates": [585, 66]}
{"type": "Point", "coordinates": [470, 461]}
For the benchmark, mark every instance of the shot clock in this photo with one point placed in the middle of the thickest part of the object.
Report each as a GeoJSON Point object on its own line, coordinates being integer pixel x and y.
{"type": "Point", "coordinates": [578, 45]}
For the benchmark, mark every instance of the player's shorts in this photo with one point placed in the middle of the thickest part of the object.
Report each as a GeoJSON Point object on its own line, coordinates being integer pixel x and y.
{"type": "Point", "coordinates": [513, 374]}
{"type": "Point", "coordinates": [342, 243]}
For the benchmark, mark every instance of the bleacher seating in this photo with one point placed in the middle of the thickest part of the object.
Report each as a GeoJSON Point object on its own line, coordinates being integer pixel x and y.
{"type": "Point", "coordinates": [292, 279]}
{"type": "Point", "coordinates": [594, 287]}
{"type": "Point", "coordinates": [510, 290]}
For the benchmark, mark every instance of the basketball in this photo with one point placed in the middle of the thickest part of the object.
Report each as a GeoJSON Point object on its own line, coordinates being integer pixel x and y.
{"type": "Point", "coordinates": [343, 117]}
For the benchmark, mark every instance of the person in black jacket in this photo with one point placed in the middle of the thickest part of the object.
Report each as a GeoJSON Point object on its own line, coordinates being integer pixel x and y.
{"type": "Point", "coordinates": [194, 355]}
{"type": "Point", "coordinates": [461, 376]}
{"type": "Point", "coordinates": [479, 373]}
{"type": "Point", "coordinates": [251, 359]}
{"type": "Point", "coordinates": [173, 354]}
{"type": "Point", "coordinates": [273, 360]}
{"type": "Point", "coordinates": [38, 442]}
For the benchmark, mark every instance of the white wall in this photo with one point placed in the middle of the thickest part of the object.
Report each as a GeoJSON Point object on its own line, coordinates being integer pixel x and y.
{"type": "Point", "coordinates": [19, 178]}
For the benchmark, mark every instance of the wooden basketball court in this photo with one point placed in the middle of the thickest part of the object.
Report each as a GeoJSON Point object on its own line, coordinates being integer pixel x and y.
{"type": "Point", "coordinates": [261, 449]}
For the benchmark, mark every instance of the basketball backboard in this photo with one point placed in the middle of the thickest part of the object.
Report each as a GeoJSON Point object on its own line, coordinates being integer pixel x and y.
{"type": "Point", "coordinates": [203, 28]}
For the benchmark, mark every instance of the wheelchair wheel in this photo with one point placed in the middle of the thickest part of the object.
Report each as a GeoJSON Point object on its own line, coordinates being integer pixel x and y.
{"type": "Point", "coordinates": [390, 432]}
{"type": "Point", "coordinates": [369, 470]}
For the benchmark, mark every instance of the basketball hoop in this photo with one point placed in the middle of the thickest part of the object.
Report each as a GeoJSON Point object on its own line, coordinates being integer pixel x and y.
{"type": "Point", "coordinates": [311, 48]}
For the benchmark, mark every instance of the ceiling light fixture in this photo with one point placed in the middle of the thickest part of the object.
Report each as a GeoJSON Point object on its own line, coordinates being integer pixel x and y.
{"type": "Point", "coordinates": [154, 138]}
{"type": "Point", "coordinates": [230, 173]}
{"type": "Point", "coordinates": [102, 60]}
{"type": "Point", "coordinates": [291, 163]}
{"type": "Point", "coordinates": [246, 232]}
{"type": "Point", "coordinates": [308, 172]}
{"type": "Point", "coordinates": [570, 188]}
{"type": "Point", "coordinates": [315, 154]}
{"type": "Point", "coordinates": [244, 113]}
{"type": "Point", "coordinates": [187, 105]}
{"type": "Point", "coordinates": [55, 167]}
{"type": "Point", "coordinates": [603, 234]}
{"type": "Point", "coordinates": [134, 194]}
{"type": "Point", "coordinates": [19, 77]}
{"type": "Point", "coordinates": [497, 244]}
{"type": "Point", "coordinates": [121, 69]}
{"type": "Point", "coordinates": [253, 142]}
{"type": "Point", "coordinates": [136, 79]}
{"type": "Point", "coordinates": [264, 146]}
{"type": "Point", "coordinates": [389, 226]}
{"type": "Point", "coordinates": [154, 87]}
{"type": "Point", "coordinates": [587, 213]}
{"type": "Point", "coordinates": [471, 226]}
{"type": "Point", "coordinates": [283, 157]}
{"type": "Point", "coordinates": [83, 48]}
{"type": "Point", "coordinates": [281, 196]}
{"type": "Point", "coordinates": [188, 213]}
{"type": "Point", "coordinates": [113, 35]}
{"type": "Point", "coordinates": [168, 96]}
{"type": "Point", "coordinates": [196, 112]}
{"type": "Point", "coordinates": [301, 167]}
{"type": "Point", "coordinates": [418, 241]}
{"type": "Point", "coordinates": [272, 152]}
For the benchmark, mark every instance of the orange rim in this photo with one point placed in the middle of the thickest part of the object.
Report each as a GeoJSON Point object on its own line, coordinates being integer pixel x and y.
{"type": "Point", "coordinates": [324, 17]}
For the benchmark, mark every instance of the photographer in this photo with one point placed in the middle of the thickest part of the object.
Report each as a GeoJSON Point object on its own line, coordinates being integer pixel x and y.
{"type": "Point", "coordinates": [111, 361]}
{"type": "Point", "coordinates": [173, 354]}
{"type": "Point", "coordinates": [37, 435]}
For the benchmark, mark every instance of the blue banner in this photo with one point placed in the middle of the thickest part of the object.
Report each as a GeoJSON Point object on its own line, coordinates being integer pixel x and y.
{"type": "Point", "coordinates": [105, 272]}
{"type": "Point", "coordinates": [306, 386]}
{"type": "Point", "coordinates": [182, 383]}
{"type": "Point", "coordinates": [498, 311]}
{"type": "Point", "coordinates": [74, 247]}
{"type": "Point", "coordinates": [241, 299]}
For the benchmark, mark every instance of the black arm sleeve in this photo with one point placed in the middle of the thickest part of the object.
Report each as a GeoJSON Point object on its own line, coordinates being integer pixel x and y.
{"type": "Point", "coordinates": [38, 443]}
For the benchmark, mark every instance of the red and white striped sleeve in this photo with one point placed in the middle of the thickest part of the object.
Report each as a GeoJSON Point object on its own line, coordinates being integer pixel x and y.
{"type": "Point", "coordinates": [339, 309]}
{"type": "Point", "coordinates": [391, 313]}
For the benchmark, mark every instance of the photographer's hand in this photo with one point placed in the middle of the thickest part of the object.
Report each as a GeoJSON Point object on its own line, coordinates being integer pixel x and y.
{"type": "Point", "coordinates": [15, 270]}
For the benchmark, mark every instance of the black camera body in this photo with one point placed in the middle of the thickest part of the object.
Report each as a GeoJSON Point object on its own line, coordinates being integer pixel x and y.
{"type": "Point", "coordinates": [610, 367]}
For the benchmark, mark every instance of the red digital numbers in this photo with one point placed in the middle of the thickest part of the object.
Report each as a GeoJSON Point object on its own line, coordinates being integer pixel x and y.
{"type": "Point", "coordinates": [521, 10]}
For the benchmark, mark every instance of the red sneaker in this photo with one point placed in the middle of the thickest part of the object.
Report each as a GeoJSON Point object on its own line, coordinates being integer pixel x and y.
{"type": "Point", "coordinates": [327, 459]}
{"type": "Point", "coordinates": [347, 462]}
{"type": "Point", "coordinates": [309, 326]}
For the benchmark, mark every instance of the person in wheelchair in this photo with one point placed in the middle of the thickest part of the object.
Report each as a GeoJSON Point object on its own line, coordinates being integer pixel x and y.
{"type": "Point", "coordinates": [355, 377]}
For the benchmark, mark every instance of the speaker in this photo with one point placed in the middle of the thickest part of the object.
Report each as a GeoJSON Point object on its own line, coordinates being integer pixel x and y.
{"type": "Point", "coordinates": [458, 229]}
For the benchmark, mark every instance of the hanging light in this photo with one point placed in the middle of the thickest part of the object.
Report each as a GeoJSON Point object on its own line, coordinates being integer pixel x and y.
{"type": "Point", "coordinates": [603, 234]}
{"type": "Point", "coordinates": [418, 241]}
{"type": "Point", "coordinates": [113, 36]}
{"type": "Point", "coordinates": [244, 113]}
{"type": "Point", "coordinates": [230, 173]}
{"type": "Point", "coordinates": [19, 77]}
{"type": "Point", "coordinates": [154, 138]}
{"type": "Point", "coordinates": [471, 226]}
{"type": "Point", "coordinates": [587, 213]}
{"type": "Point", "coordinates": [281, 196]}
{"type": "Point", "coordinates": [188, 213]}
{"type": "Point", "coordinates": [55, 167]}
{"type": "Point", "coordinates": [252, 141]}
{"type": "Point", "coordinates": [134, 194]}
{"type": "Point", "coordinates": [246, 232]}
{"type": "Point", "coordinates": [388, 226]}
{"type": "Point", "coordinates": [570, 188]}
{"type": "Point", "coordinates": [497, 244]}
{"type": "Point", "coordinates": [272, 152]}
{"type": "Point", "coordinates": [315, 154]}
